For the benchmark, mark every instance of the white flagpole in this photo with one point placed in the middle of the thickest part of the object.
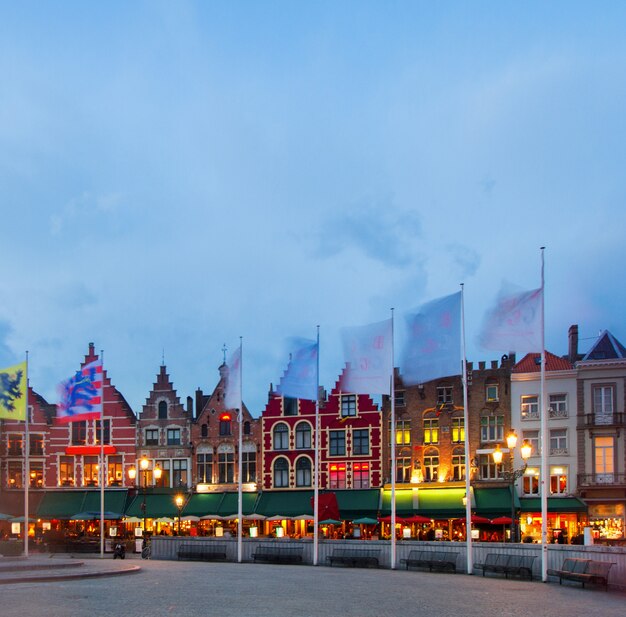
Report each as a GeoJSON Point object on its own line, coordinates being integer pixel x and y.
{"type": "Point", "coordinates": [26, 465]}
{"type": "Point", "coordinates": [544, 437]}
{"type": "Point", "coordinates": [316, 471]}
{"type": "Point", "coordinates": [468, 466]}
{"type": "Point", "coordinates": [240, 458]}
{"type": "Point", "coordinates": [393, 452]}
{"type": "Point", "coordinates": [102, 463]}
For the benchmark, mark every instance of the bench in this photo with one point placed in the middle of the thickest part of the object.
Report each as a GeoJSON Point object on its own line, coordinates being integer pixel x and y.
{"type": "Point", "coordinates": [274, 553]}
{"type": "Point", "coordinates": [354, 557]}
{"type": "Point", "coordinates": [201, 551]}
{"type": "Point", "coordinates": [584, 571]}
{"type": "Point", "coordinates": [433, 560]}
{"type": "Point", "coordinates": [516, 565]}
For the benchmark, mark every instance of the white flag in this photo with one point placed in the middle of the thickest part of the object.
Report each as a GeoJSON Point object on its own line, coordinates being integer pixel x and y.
{"type": "Point", "coordinates": [232, 394]}
{"type": "Point", "coordinates": [368, 355]}
{"type": "Point", "coordinates": [514, 323]}
{"type": "Point", "coordinates": [300, 378]}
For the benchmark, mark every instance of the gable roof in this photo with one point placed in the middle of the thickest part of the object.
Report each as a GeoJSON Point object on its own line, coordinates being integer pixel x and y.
{"type": "Point", "coordinates": [606, 347]}
{"type": "Point", "coordinates": [531, 363]}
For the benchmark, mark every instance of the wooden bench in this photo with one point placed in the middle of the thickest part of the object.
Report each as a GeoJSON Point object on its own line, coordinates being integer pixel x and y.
{"type": "Point", "coordinates": [354, 557]}
{"type": "Point", "coordinates": [433, 560]}
{"type": "Point", "coordinates": [201, 551]}
{"type": "Point", "coordinates": [516, 565]}
{"type": "Point", "coordinates": [584, 571]}
{"type": "Point", "coordinates": [275, 553]}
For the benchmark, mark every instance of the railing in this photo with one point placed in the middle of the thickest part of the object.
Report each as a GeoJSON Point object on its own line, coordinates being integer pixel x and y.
{"type": "Point", "coordinates": [602, 479]}
{"type": "Point", "coordinates": [601, 419]}
{"type": "Point", "coordinates": [531, 415]}
{"type": "Point", "coordinates": [558, 413]}
{"type": "Point", "coordinates": [559, 451]}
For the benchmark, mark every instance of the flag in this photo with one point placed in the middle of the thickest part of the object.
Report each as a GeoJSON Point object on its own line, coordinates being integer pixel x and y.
{"type": "Point", "coordinates": [368, 356]}
{"type": "Point", "coordinates": [300, 378]}
{"type": "Point", "coordinates": [232, 393]}
{"type": "Point", "coordinates": [80, 397]}
{"type": "Point", "coordinates": [13, 392]}
{"type": "Point", "coordinates": [432, 348]}
{"type": "Point", "coordinates": [514, 323]}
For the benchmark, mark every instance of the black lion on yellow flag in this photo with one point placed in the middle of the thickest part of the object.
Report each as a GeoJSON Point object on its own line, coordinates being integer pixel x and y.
{"type": "Point", "coordinates": [10, 389]}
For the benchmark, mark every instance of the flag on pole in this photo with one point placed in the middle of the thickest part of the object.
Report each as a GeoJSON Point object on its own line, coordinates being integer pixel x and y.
{"type": "Point", "coordinates": [514, 323]}
{"type": "Point", "coordinates": [368, 356]}
{"type": "Point", "coordinates": [432, 348]}
{"type": "Point", "coordinates": [80, 397]}
{"type": "Point", "coordinates": [13, 392]}
{"type": "Point", "coordinates": [300, 378]}
{"type": "Point", "coordinates": [232, 395]}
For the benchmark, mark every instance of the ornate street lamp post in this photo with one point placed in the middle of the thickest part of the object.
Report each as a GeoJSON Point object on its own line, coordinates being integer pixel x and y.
{"type": "Point", "coordinates": [179, 501]}
{"type": "Point", "coordinates": [509, 473]}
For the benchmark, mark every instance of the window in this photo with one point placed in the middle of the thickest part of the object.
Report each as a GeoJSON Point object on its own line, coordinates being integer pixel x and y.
{"type": "Point", "coordinates": [337, 476]}
{"type": "Point", "coordinates": [204, 467]}
{"type": "Point", "coordinates": [360, 442]}
{"type": "Point", "coordinates": [603, 404]}
{"type": "Point", "coordinates": [15, 444]}
{"type": "Point", "coordinates": [558, 441]}
{"type": "Point", "coordinates": [164, 480]}
{"type": "Point", "coordinates": [179, 472]}
{"type": "Point", "coordinates": [431, 466]}
{"type": "Point", "coordinates": [225, 425]}
{"type": "Point", "coordinates": [361, 475]}
{"type": "Point", "coordinates": [115, 475]}
{"type": "Point", "coordinates": [248, 464]}
{"type": "Point", "coordinates": [403, 432]}
{"type": "Point", "coordinates": [303, 436]}
{"type": "Point", "coordinates": [488, 469]}
{"type": "Point", "coordinates": [152, 437]}
{"type": "Point", "coordinates": [458, 465]}
{"type": "Point", "coordinates": [107, 432]}
{"type": "Point", "coordinates": [348, 405]}
{"type": "Point", "coordinates": [558, 480]}
{"type": "Point", "coordinates": [204, 430]}
{"type": "Point", "coordinates": [173, 437]}
{"type": "Point", "coordinates": [36, 474]}
{"type": "Point", "coordinates": [458, 430]}
{"type": "Point", "coordinates": [79, 433]}
{"type": "Point", "coordinates": [303, 472]}
{"type": "Point", "coordinates": [162, 410]}
{"type": "Point", "coordinates": [403, 465]}
{"type": "Point", "coordinates": [90, 471]}
{"type": "Point", "coordinates": [491, 393]}
{"type": "Point", "coordinates": [281, 473]}
{"type": "Point", "coordinates": [399, 398]}
{"type": "Point", "coordinates": [444, 395]}
{"type": "Point", "coordinates": [281, 437]}
{"type": "Point", "coordinates": [431, 430]}
{"type": "Point", "coordinates": [246, 428]}
{"type": "Point", "coordinates": [558, 406]}
{"type": "Point", "coordinates": [533, 439]}
{"type": "Point", "coordinates": [492, 428]}
{"type": "Point", "coordinates": [530, 481]}
{"type": "Point", "coordinates": [530, 407]}
{"type": "Point", "coordinates": [226, 467]}
{"type": "Point", "coordinates": [290, 406]}
{"type": "Point", "coordinates": [15, 477]}
{"type": "Point", "coordinates": [604, 459]}
{"type": "Point", "coordinates": [35, 444]}
{"type": "Point", "coordinates": [337, 443]}
{"type": "Point", "coordinates": [66, 471]}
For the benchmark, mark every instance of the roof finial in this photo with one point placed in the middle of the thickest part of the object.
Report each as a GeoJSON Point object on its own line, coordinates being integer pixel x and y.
{"type": "Point", "coordinates": [224, 350]}
{"type": "Point", "coordinates": [163, 357]}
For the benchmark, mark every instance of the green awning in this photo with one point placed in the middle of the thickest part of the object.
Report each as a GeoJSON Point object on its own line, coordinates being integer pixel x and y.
{"type": "Point", "coordinates": [495, 501]}
{"type": "Point", "coordinates": [158, 505]}
{"type": "Point", "coordinates": [203, 504]}
{"type": "Point", "coordinates": [61, 504]}
{"type": "Point", "coordinates": [555, 504]}
{"type": "Point", "coordinates": [405, 502]}
{"type": "Point", "coordinates": [358, 503]}
{"type": "Point", "coordinates": [285, 503]}
{"type": "Point", "coordinates": [441, 503]}
{"type": "Point", "coordinates": [114, 501]}
{"type": "Point", "coordinates": [230, 504]}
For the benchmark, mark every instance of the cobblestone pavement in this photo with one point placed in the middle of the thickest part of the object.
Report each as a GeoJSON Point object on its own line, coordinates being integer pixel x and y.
{"type": "Point", "coordinates": [189, 589]}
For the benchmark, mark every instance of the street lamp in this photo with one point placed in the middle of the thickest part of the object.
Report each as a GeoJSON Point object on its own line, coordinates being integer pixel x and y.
{"type": "Point", "coordinates": [144, 465]}
{"type": "Point", "coordinates": [509, 473]}
{"type": "Point", "coordinates": [179, 501]}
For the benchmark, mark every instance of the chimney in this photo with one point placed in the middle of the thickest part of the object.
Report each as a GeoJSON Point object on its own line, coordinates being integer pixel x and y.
{"type": "Point", "coordinates": [572, 353]}
{"type": "Point", "coordinates": [190, 406]}
{"type": "Point", "coordinates": [92, 349]}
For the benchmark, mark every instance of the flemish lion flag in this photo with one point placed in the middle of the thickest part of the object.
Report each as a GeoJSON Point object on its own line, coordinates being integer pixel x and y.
{"type": "Point", "coordinates": [13, 392]}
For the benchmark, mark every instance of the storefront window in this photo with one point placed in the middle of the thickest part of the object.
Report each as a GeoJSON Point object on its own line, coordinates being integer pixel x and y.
{"type": "Point", "coordinates": [66, 471]}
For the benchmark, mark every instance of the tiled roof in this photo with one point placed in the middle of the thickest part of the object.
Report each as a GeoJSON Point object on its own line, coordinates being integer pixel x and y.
{"type": "Point", "coordinates": [607, 347]}
{"type": "Point", "coordinates": [530, 363]}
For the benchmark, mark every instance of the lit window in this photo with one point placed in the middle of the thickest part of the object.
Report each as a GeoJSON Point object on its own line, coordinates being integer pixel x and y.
{"type": "Point", "coordinates": [530, 407]}
{"type": "Point", "coordinates": [115, 475]}
{"type": "Point", "coordinates": [337, 476]}
{"type": "Point", "coordinates": [403, 432]}
{"type": "Point", "coordinates": [491, 394]}
{"type": "Point", "coordinates": [90, 471]}
{"type": "Point", "coordinates": [15, 444]}
{"type": "Point", "coordinates": [361, 475]}
{"type": "Point", "coordinates": [458, 430]}
{"type": "Point", "coordinates": [458, 465]}
{"type": "Point", "coordinates": [15, 477]}
{"type": "Point", "coordinates": [35, 444]}
{"type": "Point", "coordinates": [488, 469]}
{"type": "Point", "coordinates": [431, 430]}
{"type": "Point", "coordinates": [66, 471]}
{"type": "Point", "coordinates": [36, 474]}
{"type": "Point", "coordinates": [225, 425]}
{"type": "Point", "coordinates": [530, 481]}
{"type": "Point", "coordinates": [431, 466]}
{"type": "Point", "coordinates": [532, 437]}
{"type": "Point", "coordinates": [558, 406]}
{"type": "Point", "coordinates": [558, 480]}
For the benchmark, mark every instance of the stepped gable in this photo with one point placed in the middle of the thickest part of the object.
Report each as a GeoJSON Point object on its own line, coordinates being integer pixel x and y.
{"type": "Point", "coordinates": [530, 363]}
{"type": "Point", "coordinates": [606, 347]}
{"type": "Point", "coordinates": [163, 386]}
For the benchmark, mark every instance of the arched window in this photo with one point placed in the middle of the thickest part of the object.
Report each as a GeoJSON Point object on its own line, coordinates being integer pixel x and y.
{"type": "Point", "coordinates": [303, 471]}
{"type": "Point", "coordinates": [162, 410]}
{"type": "Point", "coordinates": [458, 464]}
{"type": "Point", "coordinates": [431, 465]}
{"type": "Point", "coordinates": [403, 465]}
{"type": "Point", "coordinates": [225, 463]}
{"type": "Point", "coordinates": [281, 437]}
{"type": "Point", "coordinates": [303, 436]}
{"type": "Point", "coordinates": [204, 430]}
{"type": "Point", "coordinates": [281, 473]}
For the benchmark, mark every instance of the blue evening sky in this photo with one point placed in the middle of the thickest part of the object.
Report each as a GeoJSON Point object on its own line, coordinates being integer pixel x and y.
{"type": "Point", "coordinates": [174, 175]}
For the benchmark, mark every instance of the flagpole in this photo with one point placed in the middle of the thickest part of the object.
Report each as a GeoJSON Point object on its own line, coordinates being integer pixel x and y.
{"type": "Point", "coordinates": [544, 437]}
{"type": "Point", "coordinates": [468, 466]}
{"type": "Point", "coordinates": [102, 464]}
{"type": "Point", "coordinates": [316, 492]}
{"type": "Point", "coordinates": [240, 458]}
{"type": "Point", "coordinates": [393, 452]}
{"type": "Point", "coordinates": [26, 466]}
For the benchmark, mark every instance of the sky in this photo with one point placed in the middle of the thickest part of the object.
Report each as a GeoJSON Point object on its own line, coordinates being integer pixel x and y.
{"type": "Point", "coordinates": [177, 175]}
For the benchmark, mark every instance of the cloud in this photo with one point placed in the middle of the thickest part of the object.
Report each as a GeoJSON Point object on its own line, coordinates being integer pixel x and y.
{"type": "Point", "coordinates": [466, 259]}
{"type": "Point", "coordinates": [6, 355]}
